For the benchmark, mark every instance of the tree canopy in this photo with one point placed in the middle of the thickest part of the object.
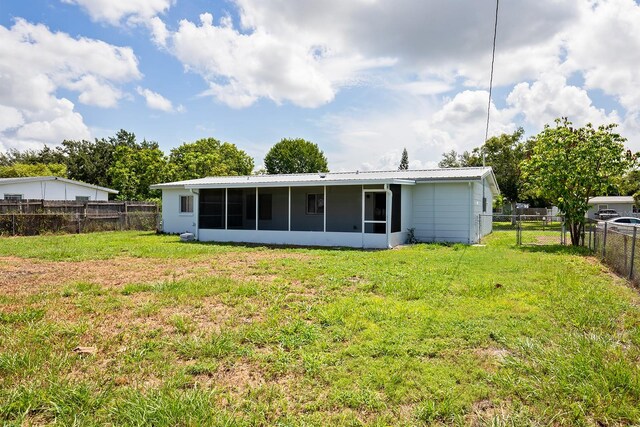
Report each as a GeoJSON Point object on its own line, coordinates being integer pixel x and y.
{"type": "Point", "coordinates": [568, 165]}
{"type": "Point", "coordinates": [122, 163]}
{"type": "Point", "coordinates": [208, 157]}
{"type": "Point", "coordinates": [18, 170]}
{"type": "Point", "coordinates": [295, 156]}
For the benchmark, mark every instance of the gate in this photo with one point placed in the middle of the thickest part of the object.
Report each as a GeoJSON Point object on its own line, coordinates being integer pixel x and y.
{"type": "Point", "coordinates": [536, 230]}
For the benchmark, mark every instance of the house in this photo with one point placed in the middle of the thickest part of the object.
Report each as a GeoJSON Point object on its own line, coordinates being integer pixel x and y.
{"type": "Point", "coordinates": [355, 209]}
{"type": "Point", "coordinates": [51, 188]}
{"type": "Point", "coordinates": [624, 205]}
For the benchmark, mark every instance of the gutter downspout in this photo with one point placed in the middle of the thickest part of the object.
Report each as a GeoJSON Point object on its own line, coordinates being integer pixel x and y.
{"type": "Point", "coordinates": [196, 208]}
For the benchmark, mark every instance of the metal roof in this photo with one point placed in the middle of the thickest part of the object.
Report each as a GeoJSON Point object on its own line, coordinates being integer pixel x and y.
{"type": "Point", "coordinates": [339, 178]}
{"type": "Point", "coordinates": [612, 199]}
{"type": "Point", "coordinates": [4, 181]}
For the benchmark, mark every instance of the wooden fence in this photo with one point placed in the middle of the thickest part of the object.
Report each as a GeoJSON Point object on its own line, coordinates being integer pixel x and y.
{"type": "Point", "coordinates": [32, 217]}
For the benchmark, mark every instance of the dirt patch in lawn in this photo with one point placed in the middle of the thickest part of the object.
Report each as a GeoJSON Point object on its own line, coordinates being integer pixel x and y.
{"type": "Point", "coordinates": [25, 276]}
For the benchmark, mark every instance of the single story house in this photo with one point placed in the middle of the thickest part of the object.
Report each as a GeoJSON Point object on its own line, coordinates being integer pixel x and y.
{"type": "Point", "coordinates": [51, 188]}
{"type": "Point", "coordinates": [353, 209]}
{"type": "Point", "coordinates": [624, 205]}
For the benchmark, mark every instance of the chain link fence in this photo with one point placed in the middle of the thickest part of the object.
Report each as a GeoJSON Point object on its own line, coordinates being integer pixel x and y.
{"type": "Point", "coordinates": [618, 247]}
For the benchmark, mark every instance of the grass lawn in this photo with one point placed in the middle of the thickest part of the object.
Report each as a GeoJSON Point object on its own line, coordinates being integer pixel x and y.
{"type": "Point", "coordinates": [209, 334]}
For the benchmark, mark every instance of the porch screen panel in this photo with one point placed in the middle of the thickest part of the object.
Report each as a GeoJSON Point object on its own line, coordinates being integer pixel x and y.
{"type": "Point", "coordinates": [396, 208]}
{"type": "Point", "coordinates": [307, 208]}
{"type": "Point", "coordinates": [344, 208]}
{"type": "Point", "coordinates": [241, 210]}
{"type": "Point", "coordinates": [211, 209]}
{"type": "Point", "coordinates": [273, 208]}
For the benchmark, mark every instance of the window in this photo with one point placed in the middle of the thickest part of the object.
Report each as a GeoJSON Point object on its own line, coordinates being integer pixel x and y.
{"type": "Point", "coordinates": [264, 207]}
{"type": "Point", "coordinates": [602, 207]}
{"type": "Point", "coordinates": [186, 204]}
{"type": "Point", "coordinates": [484, 205]}
{"type": "Point", "coordinates": [82, 198]}
{"type": "Point", "coordinates": [13, 196]}
{"type": "Point", "coordinates": [315, 204]}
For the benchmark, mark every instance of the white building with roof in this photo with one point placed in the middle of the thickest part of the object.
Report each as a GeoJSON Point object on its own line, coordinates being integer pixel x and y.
{"type": "Point", "coordinates": [355, 209]}
{"type": "Point", "coordinates": [623, 205]}
{"type": "Point", "coordinates": [51, 188]}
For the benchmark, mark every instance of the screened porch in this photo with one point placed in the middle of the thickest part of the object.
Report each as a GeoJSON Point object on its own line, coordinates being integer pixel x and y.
{"type": "Point", "coordinates": [368, 209]}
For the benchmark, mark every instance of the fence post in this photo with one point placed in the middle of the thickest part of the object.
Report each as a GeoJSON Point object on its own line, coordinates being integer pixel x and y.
{"type": "Point", "coordinates": [604, 241]}
{"type": "Point", "coordinates": [13, 224]}
{"type": "Point", "coordinates": [633, 252]}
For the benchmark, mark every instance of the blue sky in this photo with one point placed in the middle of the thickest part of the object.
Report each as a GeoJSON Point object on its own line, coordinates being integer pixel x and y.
{"type": "Point", "coordinates": [363, 79]}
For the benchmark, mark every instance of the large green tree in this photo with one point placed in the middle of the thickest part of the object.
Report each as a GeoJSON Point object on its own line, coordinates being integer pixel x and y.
{"type": "Point", "coordinates": [295, 156]}
{"type": "Point", "coordinates": [208, 157]}
{"type": "Point", "coordinates": [137, 167]}
{"type": "Point", "coordinates": [568, 165]}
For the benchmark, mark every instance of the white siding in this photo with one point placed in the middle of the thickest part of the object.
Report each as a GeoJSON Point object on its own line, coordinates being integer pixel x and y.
{"type": "Point", "coordinates": [442, 212]}
{"type": "Point", "coordinates": [482, 221]}
{"type": "Point", "coordinates": [52, 190]}
{"type": "Point", "coordinates": [172, 220]}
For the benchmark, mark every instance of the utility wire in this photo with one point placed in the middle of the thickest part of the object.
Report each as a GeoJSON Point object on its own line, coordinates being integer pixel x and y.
{"type": "Point", "coordinates": [493, 58]}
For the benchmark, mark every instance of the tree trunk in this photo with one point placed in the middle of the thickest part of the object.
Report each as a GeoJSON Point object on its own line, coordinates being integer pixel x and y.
{"type": "Point", "coordinates": [575, 229]}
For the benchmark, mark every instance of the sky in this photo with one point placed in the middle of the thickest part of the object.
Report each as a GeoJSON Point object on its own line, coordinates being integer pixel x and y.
{"type": "Point", "coordinates": [361, 78]}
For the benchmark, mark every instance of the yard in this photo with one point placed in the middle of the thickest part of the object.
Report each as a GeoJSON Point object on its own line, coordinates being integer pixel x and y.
{"type": "Point", "coordinates": [211, 334]}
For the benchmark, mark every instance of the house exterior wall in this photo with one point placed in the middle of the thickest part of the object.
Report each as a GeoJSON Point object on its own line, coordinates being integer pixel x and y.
{"type": "Point", "coordinates": [624, 209]}
{"type": "Point", "coordinates": [302, 238]}
{"type": "Point", "coordinates": [442, 212]}
{"type": "Point", "coordinates": [483, 223]}
{"type": "Point", "coordinates": [52, 190]}
{"type": "Point", "coordinates": [172, 220]}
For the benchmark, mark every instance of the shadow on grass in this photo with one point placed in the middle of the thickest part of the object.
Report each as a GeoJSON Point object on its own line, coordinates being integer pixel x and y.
{"type": "Point", "coordinates": [556, 249]}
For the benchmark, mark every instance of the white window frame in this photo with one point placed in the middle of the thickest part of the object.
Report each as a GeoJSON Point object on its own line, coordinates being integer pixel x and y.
{"type": "Point", "coordinates": [13, 196]}
{"type": "Point", "coordinates": [83, 198]}
{"type": "Point", "coordinates": [189, 210]}
{"type": "Point", "coordinates": [317, 205]}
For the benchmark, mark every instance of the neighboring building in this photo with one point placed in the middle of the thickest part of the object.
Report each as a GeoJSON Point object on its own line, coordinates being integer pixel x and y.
{"type": "Point", "coordinates": [356, 209]}
{"type": "Point", "coordinates": [624, 205]}
{"type": "Point", "coordinates": [51, 188]}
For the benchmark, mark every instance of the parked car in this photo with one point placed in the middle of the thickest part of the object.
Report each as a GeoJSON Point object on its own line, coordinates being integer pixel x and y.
{"type": "Point", "coordinates": [605, 214]}
{"type": "Point", "coordinates": [623, 224]}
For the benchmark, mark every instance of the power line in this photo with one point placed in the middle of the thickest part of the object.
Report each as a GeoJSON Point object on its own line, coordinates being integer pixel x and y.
{"type": "Point", "coordinates": [493, 57]}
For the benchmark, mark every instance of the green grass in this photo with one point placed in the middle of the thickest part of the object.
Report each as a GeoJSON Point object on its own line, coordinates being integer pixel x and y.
{"type": "Point", "coordinates": [423, 335]}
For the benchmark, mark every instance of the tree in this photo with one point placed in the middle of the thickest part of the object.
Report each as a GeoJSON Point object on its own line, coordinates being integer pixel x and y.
{"type": "Point", "coordinates": [404, 162]}
{"type": "Point", "coordinates": [295, 156]}
{"type": "Point", "coordinates": [570, 165]}
{"type": "Point", "coordinates": [504, 154]}
{"type": "Point", "coordinates": [452, 159]}
{"type": "Point", "coordinates": [137, 167]}
{"type": "Point", "coordinates": [208, 157]}
{"type": "Point", "coordinates": [18, 170]}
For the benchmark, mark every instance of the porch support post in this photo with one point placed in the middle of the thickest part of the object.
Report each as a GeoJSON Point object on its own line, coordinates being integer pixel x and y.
{"type": "Point", "coordinates": [324, 210]}
{"type": "Point", "coordinates": [256, 208]}
{"type": "Point", "coordinates": [289, 229]}
{"type": "Point", "coordinates": [226, 208]}
{"type": "Point", "coordinates": [362, 195]}
{"type": "Point", "coordinates": [388, 216]}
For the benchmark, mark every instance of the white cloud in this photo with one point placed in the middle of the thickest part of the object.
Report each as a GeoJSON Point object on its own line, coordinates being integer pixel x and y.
{"type": "Point", "coordinates": [605, 46]}
{"type": "Point", "coordinates": [241, 67]}
{"type": "Point", "coordinates": [35, 63]}
{"type": "Point", "coordinates": [115, 11]}
{"type": "Point", "coordinates": [156, 101]}
{"type": "Point", "coordinates": [551, 97]}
